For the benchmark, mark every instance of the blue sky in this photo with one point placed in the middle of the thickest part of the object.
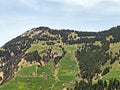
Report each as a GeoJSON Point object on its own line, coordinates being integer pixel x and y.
{"type": "Point", "coordinates": [18, 16]}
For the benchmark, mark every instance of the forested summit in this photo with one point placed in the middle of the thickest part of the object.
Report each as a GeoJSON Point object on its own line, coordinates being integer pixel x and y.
{"type": "Point", "coordinates": [94, 55]}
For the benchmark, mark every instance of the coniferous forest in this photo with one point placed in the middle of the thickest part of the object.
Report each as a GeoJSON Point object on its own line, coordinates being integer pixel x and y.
{"type": "Point", "coordinates": [49, 59]}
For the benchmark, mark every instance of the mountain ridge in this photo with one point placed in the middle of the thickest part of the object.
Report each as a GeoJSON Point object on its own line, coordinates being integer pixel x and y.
{"type": "Point", "coordinates": [13, 52]}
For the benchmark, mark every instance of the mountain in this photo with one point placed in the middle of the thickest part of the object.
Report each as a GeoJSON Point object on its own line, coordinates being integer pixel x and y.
{"type": "Point", "coordinates": [49, 59]}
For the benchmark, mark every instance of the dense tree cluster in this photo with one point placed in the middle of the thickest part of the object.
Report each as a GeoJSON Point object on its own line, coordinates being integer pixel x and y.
{"type": "Point", "coordinates": [47, 55]}
{"type": "Point", "coordinates": [114, 31]}
{"type": "Point", "coordinates": [5, 54]}
{"type": "Point", "coordinates": [113, 84]}
{"type": "Point", "coordinates": [91, 58]}
{"type": "Point", "coordinates": [32, 56]}
{"type": "Point", "coordinates": [18, 45]}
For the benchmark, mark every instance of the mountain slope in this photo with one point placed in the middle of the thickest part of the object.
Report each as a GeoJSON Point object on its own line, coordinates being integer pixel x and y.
{"type": "Point", "coordinates": [43, 58]}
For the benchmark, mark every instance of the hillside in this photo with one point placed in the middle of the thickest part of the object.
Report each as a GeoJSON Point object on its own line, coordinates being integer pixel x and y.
{"type": "Point", "coordinates": [48, 59]}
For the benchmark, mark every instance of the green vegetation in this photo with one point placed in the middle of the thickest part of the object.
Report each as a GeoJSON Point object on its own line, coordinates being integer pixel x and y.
{"type": "Point", "coordinates": [67, 69]}
{"type": "Point", "coordinates": [35, 77]}
{"type": "Point", "coordinates": [114, 72]}
{"type": "Point", "coordinates": [47, 59]}
{"type": "Point", "coordinates": [38, 46]}
{"type": "Point", "coordinates": [32, 78]}
{"type": "Point", "coordinates": [27, 71]}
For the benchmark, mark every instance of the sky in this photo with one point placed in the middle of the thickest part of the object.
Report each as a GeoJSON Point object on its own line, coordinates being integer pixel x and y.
{"type": "Point", "coordinates": [18, 16]}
